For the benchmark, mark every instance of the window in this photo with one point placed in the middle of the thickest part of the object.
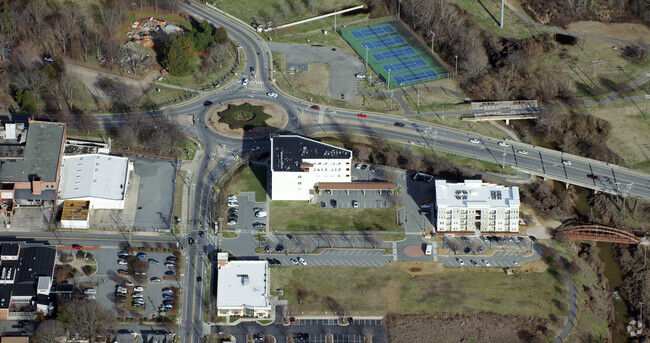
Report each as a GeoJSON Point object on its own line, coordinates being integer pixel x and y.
{"type": "Point", "coordinates": [300, 176]}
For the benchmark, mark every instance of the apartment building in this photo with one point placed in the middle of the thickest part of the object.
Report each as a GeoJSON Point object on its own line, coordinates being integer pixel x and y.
{"type": "Point", "coordinates": [474, 206]}
{"type": "Point", "coordinates": [299, 163]}
{"type": "Point", "coordinates": [243, 287]}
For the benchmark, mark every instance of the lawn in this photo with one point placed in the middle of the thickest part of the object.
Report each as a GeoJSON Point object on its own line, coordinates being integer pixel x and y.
{"type": "Point", "coordinates": [178, 194]}
{"type": "Point", "coordinates": [244, 116]}
{"type": "Point", "coordinates": [487, 14]}
{"type": "Point", "coordinates": [249, 179]}
{"type": "Point", "coordinates": [395, 290]}
{"type": "Point", "coordinates": [302, 216]}
{"type": "Point", "coordinates": [461, 161]}
{"type": "Point", "coordinates": [189, 147]}
{"type": "Point", "coordinates": [630, 132]}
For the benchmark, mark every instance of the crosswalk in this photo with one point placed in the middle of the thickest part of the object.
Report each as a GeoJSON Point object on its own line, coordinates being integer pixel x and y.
{"type": "Point", "coordinates": [216, 156]}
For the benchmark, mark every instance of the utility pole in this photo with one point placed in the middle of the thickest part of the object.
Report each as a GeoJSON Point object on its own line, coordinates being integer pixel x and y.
{"type": "Point", "coordinates": [399, 5]}
{"type": "Point", "coordinates": [501, 22]}
{"type": "Point", "coordinates": [432, 35]}
{"type": "Point", "coordinates": [334, 21]}
{"type": "Point", "coordinates": [418, 105]}
{"type": "Point", "coordinates": [388, 85]}
{"type": "Point", "coordinates": [366, 71]}
{"type": "Point", "coordinates": [456, 68]}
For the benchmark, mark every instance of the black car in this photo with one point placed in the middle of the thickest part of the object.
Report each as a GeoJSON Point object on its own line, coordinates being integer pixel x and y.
{"type": "Point", "coordinates": [191, 240]}
{"type": "Point", "coordinates": [199, 279]}
{"type": "Point", "coordinates": [201, 234]}
{"type": "Point", "coordinates": [290, 236]}
{"type": "Point", "coordinates": [398, 124]}
{"type": "Point", "coordinates": [533, 238]}
{"type": "Point", "coordinates": [259, 225]}
{"type": "Point", "coordinates": [468, 250]}
{"type": "Point", "coordinates": [279, 247]}
{"type": "Point", "coordinates": [207, 103]}
{"type": "Point", "coordinates": [364, 166]}
{"type": "Point", "coordinates": [270, 261]}
{"type": "Point", "coordinates": [24, 322]}
{"type": "Point", "coordinates": [333, 203]}
{"type": "Point", "coordinates": [276, 262]}
{"type": "Point", "coordinates": [322, 204]}
{"type": "Point", "coordinates": [267, 249]}
{"type": "Point", "coordinates": [171, 258]}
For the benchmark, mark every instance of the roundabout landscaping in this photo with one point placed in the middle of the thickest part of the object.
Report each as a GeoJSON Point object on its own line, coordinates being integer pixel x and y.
{"type": "Point", "coordinates": [246, 118]}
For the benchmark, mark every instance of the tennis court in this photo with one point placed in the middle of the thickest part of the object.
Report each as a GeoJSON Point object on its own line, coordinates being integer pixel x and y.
{"type": "Point", "coordinates": [393, 54]}
{"type": "Point", "coordinates": [372, 32]}
{"type": "Point", "coordinates": [383, 43]}
{"type": "Point", "coordinates": [392, 50]}
{"type": "Point", "coordinates": [404, 65]}
{"type": "Point", "coordinates": [415, 77]}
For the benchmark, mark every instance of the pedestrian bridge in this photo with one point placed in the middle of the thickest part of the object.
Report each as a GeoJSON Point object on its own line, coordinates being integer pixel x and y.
{"type": "Point", "coordinates": [601, 233]}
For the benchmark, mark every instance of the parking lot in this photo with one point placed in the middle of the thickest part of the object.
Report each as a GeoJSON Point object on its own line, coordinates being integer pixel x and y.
{"type": "Point", "coordinates": [245, 213]}
{"type": "Point", "coordinates": [339, 257]}
{"type": "Point", "coordinates": [299, 244]}
{"type": "Point", "coordinates": [155, 193]}
{"type": "Point", "coordinates": [107, 278]}
{"type": "Point", "coordinates": [345, 199]}
{"type": "Point", "coordinates": [509, 252]}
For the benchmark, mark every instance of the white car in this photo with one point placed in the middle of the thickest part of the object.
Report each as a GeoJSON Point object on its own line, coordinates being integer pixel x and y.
{"type": "Point", "coordinates": [302, 261]}
{"type": "Point", "coordinates": [523, 152]}
{"type": "Point", "coordinates": [129, 283]}
{"type": "Point", "coordinates": [89, 296]}
{"type": "Point", "coordinates": [260, 214]}
{"type": "Point", "coordinates": [486, 263]}
{"type": "Point", "coordinates": [232, 198]}
{"type": "Point", "coordinates": [294, 261]}
{"type": "Point", "coordinates": [272, 95]}
{"type": "Point", "coordinates": [474, 141]}
{"type": "Point", "coordinates": [460, 261]}
{"type": "Point", "coordinates": [138, 289]}
{"type": "Point", "coordinates": [90, 290]}
{"type": "Point", "coordinates": [232, 222]}
{"type": "Point", "coordinates": [473, 263]}
{"type": "Point", "coordinates": [504, 144]}
{"type": "Point", "coordinates": [566, 162]}
{"type": "Point", "coordinates": [233, 204]}
{"type": "Point", "coordinates": [355, 204]}
{"type": "Point", "coordinates": [359, 76]}
{"type": "Point", "coordinates": [516, 264]}
{"type": "Point", "coordinates": [137, 295]}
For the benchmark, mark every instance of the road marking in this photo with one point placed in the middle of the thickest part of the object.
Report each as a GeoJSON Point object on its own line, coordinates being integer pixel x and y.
{"type": "Point", "coordinates": [193, 296]}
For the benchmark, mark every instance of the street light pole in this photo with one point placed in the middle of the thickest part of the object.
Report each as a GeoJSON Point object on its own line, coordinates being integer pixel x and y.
{"type": "Point", "coordinates": [388, 81]}
{"type": "Point", "coordinates": [399, 5]}
{"type": "Point", "coordinates": [366, 71]}
{"type": "Point", "coordinates": [432, 35]}
{"type": "Point", "coordinates": [456, 68]}
{"type": "Point", "coordinates": [501, 23]}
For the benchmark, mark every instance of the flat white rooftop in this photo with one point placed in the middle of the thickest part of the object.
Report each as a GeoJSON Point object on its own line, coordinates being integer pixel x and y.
{"type": "Point", "coordinates": [243, 283]}
{"type": "Point", "coordinates": [475, 194]}
{"type": "Point", "coordinates": [93, 176]}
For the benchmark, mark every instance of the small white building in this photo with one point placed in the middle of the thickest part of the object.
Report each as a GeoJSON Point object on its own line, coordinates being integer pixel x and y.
{"type": "Point", "coordinates": [476, 206]}
{"type": "Point", "coordinates": [243, 288]}
{"type": "Point", "coordinates": [99, 178]}
{"type": "Point", "coordinates": [298, 163]}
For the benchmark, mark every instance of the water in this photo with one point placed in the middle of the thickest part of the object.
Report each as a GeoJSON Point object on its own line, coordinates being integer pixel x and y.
{"type": "Point", "coordinates": [613, 274]}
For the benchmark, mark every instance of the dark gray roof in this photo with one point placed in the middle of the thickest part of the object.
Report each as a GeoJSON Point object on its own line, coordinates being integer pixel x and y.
{"type": "Point", "coordinates": [288, 151]}
{"type": "Point", "coordinates": [10, 249]}
{"type": "Point", "coordinates": [5, 295]}
{"type": "Point", "coordinates": [40, 157]}
{"type": "Point", "coordinates": [26, 194]}
{"type": "Point", "coordinates": [64, 288]}
{"type": "Point", "coordinates": [35, 261]}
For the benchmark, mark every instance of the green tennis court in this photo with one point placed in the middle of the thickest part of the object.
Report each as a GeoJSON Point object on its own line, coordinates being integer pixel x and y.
{"type": "Point", "coordinates": [392, 51]}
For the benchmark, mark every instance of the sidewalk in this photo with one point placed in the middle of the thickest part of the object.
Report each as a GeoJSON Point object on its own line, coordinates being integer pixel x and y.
{"type": "Point", "coordinates": [190, 168]}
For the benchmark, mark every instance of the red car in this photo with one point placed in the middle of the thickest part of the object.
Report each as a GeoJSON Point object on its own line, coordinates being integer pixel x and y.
{"type": "Point", "coordinates": [122, 271]}
{"type": "Point", "coordinates": [292, 320]}
{"type": "Point", "coordinates": [361, 115]}
{"type": "Point", "coordinates": [315, 107]}
{"type": "Point", "coordinates": [77, 247]}
{"type": "Point", "coordinates": [592, 176]}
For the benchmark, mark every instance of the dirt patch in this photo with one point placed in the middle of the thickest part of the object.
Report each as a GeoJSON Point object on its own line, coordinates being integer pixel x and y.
{"type": "Point", "coordinates": [414, 251]}
{"type": "Point", "coordinates": [278, 120]}
{"type": "Point", "coordinates": [391, 293]}
{"type": "Point", "coordinates": [624, 31]}
{"type": "Point", "coordinates": [421, 268]}
{"type": "Point", "coordinates": [483, 327]}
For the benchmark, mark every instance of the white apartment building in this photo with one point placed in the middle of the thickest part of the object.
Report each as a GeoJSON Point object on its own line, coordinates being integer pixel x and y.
{"type": "Point", "coordinates": [476, 206]}
{"type": "Point", "coordinates": [298, 163]}
{"type": "Point", "coordinates": [243, 287]}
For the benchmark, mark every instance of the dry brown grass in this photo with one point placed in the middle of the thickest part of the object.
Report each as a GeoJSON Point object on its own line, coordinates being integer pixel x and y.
{"type": "Point", "coordinates": [625, 31]}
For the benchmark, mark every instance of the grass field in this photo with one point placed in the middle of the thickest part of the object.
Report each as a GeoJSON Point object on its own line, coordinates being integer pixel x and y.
{"type": "Point", "coordinates": [244, 116]}
{"type": "Point", "coordinates": [178, 194]}
{"type": "Point", "coordinates": [488, 13]}
{"type": "Point", "coordinates": [461, 161]}
{"type": "Point", "coordinates": [249, 179]}
{"type": "Point", "coordinates": [435, 289]}
{"type": "Point", "coordinates": [630, 133]}
{"type": "Point", "coordinates": [302, 216]}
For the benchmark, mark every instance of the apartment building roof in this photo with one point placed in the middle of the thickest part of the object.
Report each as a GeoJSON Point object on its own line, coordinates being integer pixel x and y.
{"type": "Point", "coordinates": [243, 283]}
{"type": "Point", "coordinates": [39, 157]}
{"type": "Point", "coordinates": [356, 185]}
{"type": "Point", "coordinates": [475, 193]}
{"type": "Point", "coordinates": [289, 151]}
{"type": "Point", "coordinates": [20, 277]}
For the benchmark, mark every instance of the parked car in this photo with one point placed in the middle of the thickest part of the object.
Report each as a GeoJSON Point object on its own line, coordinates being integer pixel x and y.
{"type": "Point", "coordinates": [233, 204]}
{"type": "Point", "coordinates": [155, 279]}
{"type": "Point", "coordinates": [258, 225]}
{"type": "Point", "coordinates": [322, 204]}
{"type": "Point", "coordinates": [122, 254]}
{"type": "Point", "coordinates": [355, 204]}
{"type": "Point", "coordinates": [533, 238]}
{"type": "Point", "coordinates": [460, 262]}
{"type": "Point", "coordinates": [168, 296]}
{"type": "Point", "coordinates": [90, 290]}
{"type": "Point", "coordinates": [302, 261]}
{"type": "Point", "coordinates": [232, 198]}
{"type": "Point", "coordinates": [170, 273]}
{"type": "Point", "coordinates": [190, 240]}
{"type": "Point", "coordinates": [122, 271]}
{"type": "Point", "coordinates": [169, 264]}
{"type": "Point", "coordinates": [77, 247]}
{"type": "Point", "coordinates": [142, 255]}
{"type": "Point", "coordinates": [473, 263]}
{"type": "Point", "coordinates": [154, 261]}
{"type": "Point", "coordinates": [201, 233]}
{"type": "Point", "coordinates": [122, 262]}
{"type": "Point", "coordinates": [138, 289]}
{"type": "Point", "coordinates": [89, 296]}
{"type": "Point", "coordinates": [260, 214]}
{"type": "Point", "coordinates": [129, 283]}
{"type": "Point", "coordinates": [359, 76]}
{"type": "Point", "coordinates": [199, 279]}
{"type": "Point", "coordinates": [277, 262]}
{"type": "Point", "coordinates": [294, 261]}
{"type": "Point", "coordinates": [333, 203]}
{"type": "Point", "coordinates": [232, 222]}
{"type": "Point", "coordinates": [486, 263]}
{"type": "Point", "coordinates": [137, 295]}
{"type": "Point", "coordinates": [279, 247]}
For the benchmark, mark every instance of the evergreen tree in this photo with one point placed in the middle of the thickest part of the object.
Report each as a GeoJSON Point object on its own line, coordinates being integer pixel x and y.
{"type": "Point", "coordinates": [178, 52]}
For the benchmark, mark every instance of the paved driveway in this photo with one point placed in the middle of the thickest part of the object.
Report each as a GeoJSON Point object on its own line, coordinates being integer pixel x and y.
{"type": "Point", "coordinates": [343, 66]}
{"type": "Point", "coordinates": [339, 257]}
{"type": "Point", "coordinates": [246, 214]}
{"type": "Point", "coordinates": [156, 193]}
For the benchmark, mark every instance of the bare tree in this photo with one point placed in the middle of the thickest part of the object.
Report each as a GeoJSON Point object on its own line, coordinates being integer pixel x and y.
{"type": "Point", "coordinates": [313, 5]}
{"type": "Point", "coordinates": [88, 317]}
{"type": "Point", "coordinates": [37, 11]}
{"type": "Point", "coordinates": [6, 42]}
{"type": "Point", "coordinates": [141, 267]}
{"type": "Point", "coordinates": [49, 331]}
{"type": "Point", "coordinates": [69, 89]}
{"type": "Point", "coordinates": [285, 10]}
{"type": "Point", "coordinates": [87, 123]}
{"type": "Point", "coordinates": [298, 7]}
{"type": "Point", "coordinates": [109, 18]}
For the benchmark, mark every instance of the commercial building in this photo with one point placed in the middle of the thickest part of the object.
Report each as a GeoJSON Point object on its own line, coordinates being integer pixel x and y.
{"type": "Point", "coordinates": [30, 160]}
{"type": "Point", "coordinates": [243, 288]}
{"type": "Point", "coordinates": [476, 206]}
{"type": "Point", "coordinates": [98, 178]}
{"type": "Point", "coordinates": [26, 277]}
{"type": "Point", "coordinates": [299, 163]}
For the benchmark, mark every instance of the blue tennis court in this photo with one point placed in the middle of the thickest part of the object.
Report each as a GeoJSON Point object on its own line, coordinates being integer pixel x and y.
{"type": "Point", "coordinates": [383, 43]}
{"type": "Point", "coordinates": [373, 31]}
{"type": "Point", "coordinates": [415, 76]}
{"type": "Point", "coordinates": [400, 66]}
{"type": "Point", "coordinates": [393, 54]}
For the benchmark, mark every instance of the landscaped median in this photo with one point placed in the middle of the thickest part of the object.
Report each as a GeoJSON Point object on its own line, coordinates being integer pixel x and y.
{"type": "Point", "coordinates": [302, 216]}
